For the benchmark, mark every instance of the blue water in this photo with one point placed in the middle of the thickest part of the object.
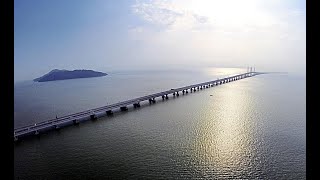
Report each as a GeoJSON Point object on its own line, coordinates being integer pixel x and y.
{"type": "Point", "coordinates": [253, 128]}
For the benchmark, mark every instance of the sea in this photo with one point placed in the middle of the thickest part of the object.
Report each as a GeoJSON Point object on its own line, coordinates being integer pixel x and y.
{"type": "Point", "coordinates": [254, 128]}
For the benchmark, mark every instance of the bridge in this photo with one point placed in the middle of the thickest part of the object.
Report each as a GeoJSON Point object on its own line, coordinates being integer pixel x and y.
{"type": "Point", "coordinates": [57, 123]}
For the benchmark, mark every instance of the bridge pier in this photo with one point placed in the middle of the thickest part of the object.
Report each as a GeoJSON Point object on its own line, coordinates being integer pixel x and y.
{"type": "Point", "coordinates": [167, 96]}
{"type": "Point", "coordinates": [75, 122]}
{"type": "Point", "coordinates": [174, 94]}
{"type": "Point", "coordinates": [162, 97]}
{"type": "Point", "coordinates": [187, 91]}
{"type": "Point", "coordinates": [182, 91]}
{"type": "Point", "coordinates": [152, 100]}
{"type": "Point", "coordinates": [109, 112]}
{"type": "Point", "coordinates": [93, 117]}
{"type": "Point", "coordinates": [177, 93]}
{"type": "Point", "coordinates": [123, 108]}
{"type": "Point", "coordinates": [135, 105]}
{"type": "Point", "coordinates": [56, 127]}
{"type": "Point", "coordinates": [36, 132]}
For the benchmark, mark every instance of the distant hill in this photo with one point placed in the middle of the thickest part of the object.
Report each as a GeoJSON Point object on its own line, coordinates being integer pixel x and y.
{"type": "Point", "coordinates": [57, 74]}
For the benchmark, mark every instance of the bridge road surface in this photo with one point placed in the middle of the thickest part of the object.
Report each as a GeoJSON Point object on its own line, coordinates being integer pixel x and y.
{"type": "Point", "coordinates": [91, 113]}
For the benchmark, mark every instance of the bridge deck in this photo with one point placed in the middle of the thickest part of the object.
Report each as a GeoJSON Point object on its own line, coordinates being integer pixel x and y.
{"type": "Point", "coordinates": [53, 123]}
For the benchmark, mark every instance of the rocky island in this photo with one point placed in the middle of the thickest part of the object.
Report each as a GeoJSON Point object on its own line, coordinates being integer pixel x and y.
{"type": "Point", "coordinates": [57, 74]}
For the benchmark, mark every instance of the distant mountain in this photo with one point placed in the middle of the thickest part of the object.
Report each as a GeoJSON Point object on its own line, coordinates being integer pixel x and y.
{"type": "Point", "coordinates": [57, 74]}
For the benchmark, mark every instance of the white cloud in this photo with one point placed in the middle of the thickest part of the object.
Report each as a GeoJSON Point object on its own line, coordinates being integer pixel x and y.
{"type": "Point", "coordinates": [156, 13]}
{"type": "Point", "coordinates": [169, 15]}
{"type": "Point", "coordinates": [228, 32]}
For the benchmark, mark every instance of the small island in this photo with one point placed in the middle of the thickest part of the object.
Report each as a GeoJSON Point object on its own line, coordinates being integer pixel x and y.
{"type": "Point", "coordinates": [57, 74]}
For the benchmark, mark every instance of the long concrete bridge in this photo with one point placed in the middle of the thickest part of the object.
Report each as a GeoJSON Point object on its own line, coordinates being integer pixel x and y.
{"type": "Point", "coordinates": [57, 123]}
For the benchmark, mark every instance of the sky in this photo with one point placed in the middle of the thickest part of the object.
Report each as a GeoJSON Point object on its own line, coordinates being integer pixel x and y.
{"type": "Point", "coordinates": [108, 35]}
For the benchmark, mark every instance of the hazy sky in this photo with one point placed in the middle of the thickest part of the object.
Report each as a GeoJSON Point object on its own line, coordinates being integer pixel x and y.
{"type": "Point", "coordinates": [109, 35]}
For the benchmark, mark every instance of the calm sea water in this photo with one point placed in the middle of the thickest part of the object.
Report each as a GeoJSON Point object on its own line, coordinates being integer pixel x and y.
{"type": "Point", "coordinates": [254, 128]}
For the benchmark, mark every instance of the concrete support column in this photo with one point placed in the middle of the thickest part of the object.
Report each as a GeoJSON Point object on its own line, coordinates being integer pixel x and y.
{"type": "Point", "coordinates": [75, 122]}
{"type": "Point", "coordinates": [137, 104]}
{"type": "Point", "coordinates": [109, 112]}
{"type": "Point", "coordinates": [93, 117]}
{"type": "Point", "coordinates": [123, 108]}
